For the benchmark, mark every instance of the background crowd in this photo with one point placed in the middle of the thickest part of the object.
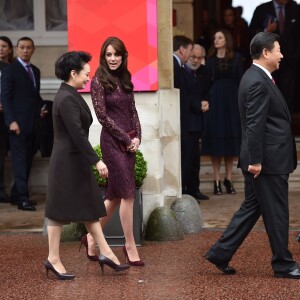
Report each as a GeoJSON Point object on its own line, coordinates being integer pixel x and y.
{"type": "Point", "coordinates": [228, 56]}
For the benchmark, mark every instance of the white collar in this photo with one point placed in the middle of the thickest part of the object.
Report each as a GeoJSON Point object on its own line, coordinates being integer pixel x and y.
{"type": "Point", "coordinates": [264, 69]}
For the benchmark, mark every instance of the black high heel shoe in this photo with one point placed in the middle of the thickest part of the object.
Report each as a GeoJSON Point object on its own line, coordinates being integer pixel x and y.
{"type": "Point", "coordinates": [137, 263]}
{"type": "Point", "coordinates": [103, 260]}
{"type": "Point", "coordinates": [229, 187]}
{"type": "Point", "coordinates": [217, 188]}
{"type": "Point", "coordinates": [85, 243]}
{"type": "Point", "coordinates": [60, 276]}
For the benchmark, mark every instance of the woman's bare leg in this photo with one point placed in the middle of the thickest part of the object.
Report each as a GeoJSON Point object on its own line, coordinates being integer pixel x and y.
{"type": "Point", "coordinates": [216, 163]}
{"type": "Point", "coordinates": [110, 207]}
{"type": "Point", "coordinates": [54, 234]}
{"type": "Point", "coordinates": [126, 216]}
{"type": "Point", "coordinates": [95, 229]}
{"type": "Point", "coordinates": [228, 166]}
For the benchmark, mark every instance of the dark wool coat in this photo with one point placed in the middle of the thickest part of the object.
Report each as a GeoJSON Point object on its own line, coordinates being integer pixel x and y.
{"type": "Point", "coordinates": [73, 193]}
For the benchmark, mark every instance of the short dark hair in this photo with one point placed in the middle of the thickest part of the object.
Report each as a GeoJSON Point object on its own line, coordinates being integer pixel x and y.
{"type": "Point", "coordinates": [73, 60]}
{"type": "Point", "coordinates": [25, 38]}
{"type": "Point", "coordinates": [181, 40]}
{"type": "Point", "coordinates": [261, 41]}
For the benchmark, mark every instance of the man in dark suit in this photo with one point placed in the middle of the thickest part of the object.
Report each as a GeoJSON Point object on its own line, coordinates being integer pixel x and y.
{"type": "Point", "coordinates": [282, 17]}
{"type": "Point", "coordinates": [3, 146]}
{"type": "Point", "coordinates": [20, 87]}
{"type": "Point", "coordinates": [182, 48]}
{"type": "Point", "coordinates": [268, 156]}
{"type": "Point", "coordinates": [198, 83]}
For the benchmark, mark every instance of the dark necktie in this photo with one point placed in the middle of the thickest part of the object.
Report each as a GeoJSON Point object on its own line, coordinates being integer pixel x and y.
{"type": "Point", "coordinates": [281, 19]}
{"type": "Point", "coordinates": [194, 74]}
{"type": "Point", "coordinates": [30, 73]}
{"type": "Point", "coordinates": [273, 81]}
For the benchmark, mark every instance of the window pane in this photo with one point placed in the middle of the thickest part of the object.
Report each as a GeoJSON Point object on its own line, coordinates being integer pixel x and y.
{"type": "Point", "coordinates": [56, 15]}
{"type": "Point", "coordinates": [16, 14]}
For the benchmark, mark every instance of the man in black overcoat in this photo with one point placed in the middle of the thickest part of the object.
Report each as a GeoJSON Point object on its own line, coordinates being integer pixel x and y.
{"type": "Point", "coordinates": [182, 48]}
{"type": "Point", "coordinates": [198, 80]}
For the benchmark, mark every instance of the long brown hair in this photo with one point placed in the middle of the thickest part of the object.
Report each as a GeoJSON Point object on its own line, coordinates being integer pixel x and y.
{"type": "Point", "coordinates": [103, 72]}
{"type": "Point", "coordinates": [229, 50]}
{"type": "Point", "coordinates": [10, 46]}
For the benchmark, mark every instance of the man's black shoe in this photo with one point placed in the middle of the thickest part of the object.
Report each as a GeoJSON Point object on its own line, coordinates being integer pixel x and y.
{"type": "Point", "coordinates": [298, 237]}
{"type": "Point", "coordinates": [30, 202]}
{"type": "Point", "coordinates": [26, 206]}
{"type": "Point", "coordinates": [223, 268]}
{"type": "Point", "coordinates": [4, 197]}
{"type": "Point", "coordinates": [293, 274]}
{"type": "Point", "coordinates": [199, 196]}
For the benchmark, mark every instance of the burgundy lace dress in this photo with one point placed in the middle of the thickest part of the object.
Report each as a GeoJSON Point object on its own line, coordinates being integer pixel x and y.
{"type": "Point", "coordinates": [117, 114]}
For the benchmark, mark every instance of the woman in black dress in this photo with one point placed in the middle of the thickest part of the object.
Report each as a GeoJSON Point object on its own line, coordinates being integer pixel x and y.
{"type": "Point", "coordinates": [113, 100]}
{"type": "Point", "coordinates": [73, 193]}
{"type": "Point", "coordinates": [222, 129]}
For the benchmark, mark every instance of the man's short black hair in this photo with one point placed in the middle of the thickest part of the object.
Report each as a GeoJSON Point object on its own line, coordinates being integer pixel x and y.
{"type": "Point", "coordinates": [25, 38]}
{"type": "Point", "coordinates": [261, 41]}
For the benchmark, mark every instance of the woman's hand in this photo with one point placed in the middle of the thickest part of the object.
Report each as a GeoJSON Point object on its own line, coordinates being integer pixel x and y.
{"type": "Point", "coordinates": [102, 169]}
{"type": "Point", "coordinates": [135, 143]}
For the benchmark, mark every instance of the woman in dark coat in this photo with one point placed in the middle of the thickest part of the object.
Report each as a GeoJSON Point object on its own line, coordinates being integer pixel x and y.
{"type": "Point", "coordinates": [73, 193]}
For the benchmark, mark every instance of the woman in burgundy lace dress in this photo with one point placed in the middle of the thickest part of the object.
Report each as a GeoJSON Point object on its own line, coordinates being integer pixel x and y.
{"type": "Point", "coordinates": [113, 100]}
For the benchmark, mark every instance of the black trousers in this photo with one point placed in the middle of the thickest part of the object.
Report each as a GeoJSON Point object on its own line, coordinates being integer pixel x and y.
{"type": "Point", "coordinates": [3, 149]}
{"type": "Point", "coordinates": [23, 148]}
{"type": "Point", "coordinates": [190, 162]}
{"type": "Point", "coordinates": [267, 195]}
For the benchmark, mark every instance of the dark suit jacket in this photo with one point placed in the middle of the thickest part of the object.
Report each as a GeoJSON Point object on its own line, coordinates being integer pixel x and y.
{"type": "Point", "coordinates": [21, 100]}
{"type": "Point", "coordinates": [290, 40]}
{"type": "Point", "coordinates": [265, 119]}
{"type": "Point", "coordinates": [180, 83]}
{"type": "Point", "coordinates": [197, 91]}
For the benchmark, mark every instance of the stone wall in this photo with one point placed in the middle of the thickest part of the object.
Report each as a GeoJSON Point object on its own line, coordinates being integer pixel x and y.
{"type": "Point", "coordinates": [159, 116]}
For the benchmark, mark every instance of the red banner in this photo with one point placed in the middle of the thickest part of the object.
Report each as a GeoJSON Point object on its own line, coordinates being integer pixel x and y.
{"type": "Point", "coordinates": [134, 22]}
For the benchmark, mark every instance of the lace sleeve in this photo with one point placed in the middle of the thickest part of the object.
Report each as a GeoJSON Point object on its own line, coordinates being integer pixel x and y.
{"type": "Point", "coordinates": [135, 120]}
{"type": "Point", "coordinates": [98, 99]}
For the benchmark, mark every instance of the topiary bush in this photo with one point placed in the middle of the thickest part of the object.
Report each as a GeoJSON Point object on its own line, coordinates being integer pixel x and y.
{"type": "Point", "coordinates": [140, 168]}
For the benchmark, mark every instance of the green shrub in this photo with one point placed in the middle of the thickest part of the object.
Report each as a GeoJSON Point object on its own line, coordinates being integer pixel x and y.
{"type": "Point", "coordinates": [140, 168]}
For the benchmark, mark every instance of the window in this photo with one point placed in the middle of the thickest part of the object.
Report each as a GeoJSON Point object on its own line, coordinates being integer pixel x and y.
{"type": "Point", "coordinates": [45, 21]}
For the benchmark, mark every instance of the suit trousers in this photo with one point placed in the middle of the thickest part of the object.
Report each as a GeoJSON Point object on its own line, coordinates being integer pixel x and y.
{"type": "Point", "coordinates": [191, 163]}
{"type": "Point", "coordinates": [3, 149]}
{"type": "Point", "coordinates": [267, 195]}
{"type": "Point", "coordinates": [23, 148]}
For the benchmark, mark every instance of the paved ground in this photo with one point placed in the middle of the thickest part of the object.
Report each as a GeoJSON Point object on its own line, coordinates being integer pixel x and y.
{"type": "Point", "coordinates": [174, 270]}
